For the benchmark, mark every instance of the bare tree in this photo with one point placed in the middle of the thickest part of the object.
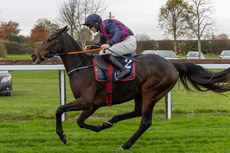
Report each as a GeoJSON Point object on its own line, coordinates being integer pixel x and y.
{"type": "Point", "coordinates": [222, 36]}
{"type": "Point", "coordinates": [171, 19]}
{"type": "Point", "coordinates": [49, 25]}
{"type": "Point", "coordinates": [199, 19]}
{"type": "Point", "coordinates": [142, 37]}
{"type": "Point", "coordinates": [74, 12]}
{"type": "Point", "coordinates": [0, 16]}
{"type": "Point", "coordinates": [1, 20]}
{"type": "Point", "coordinates": [68, 13]}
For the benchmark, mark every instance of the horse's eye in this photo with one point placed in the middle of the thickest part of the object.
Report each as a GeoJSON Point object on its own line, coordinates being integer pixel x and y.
{"type": "Point", "coordinates": [48, 40]}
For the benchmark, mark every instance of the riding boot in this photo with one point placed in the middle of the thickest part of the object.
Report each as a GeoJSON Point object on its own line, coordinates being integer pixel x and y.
{"type": "Point", "coordinates": [123, 70]}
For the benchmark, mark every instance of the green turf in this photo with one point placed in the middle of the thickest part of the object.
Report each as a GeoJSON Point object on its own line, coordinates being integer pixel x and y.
{"type": "Point", "coordinates": [203, 134]}
{"type": "Point", "coordinates": [18, 57]}
{"type": "Point", "coordinates": [200, 122]}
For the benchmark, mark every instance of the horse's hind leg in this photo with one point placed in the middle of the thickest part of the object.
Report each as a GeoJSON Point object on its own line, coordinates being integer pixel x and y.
{"type": "Point", "coordinates": [149, 99]}
{"type": "Point", "coordinates": [135, 113]}
{"type": "Point", "coordinates": [146, 121]}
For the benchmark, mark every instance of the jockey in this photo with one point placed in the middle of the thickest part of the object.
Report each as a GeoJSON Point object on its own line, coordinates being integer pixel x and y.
{"type": "Point", "coordinates": [121, 40]}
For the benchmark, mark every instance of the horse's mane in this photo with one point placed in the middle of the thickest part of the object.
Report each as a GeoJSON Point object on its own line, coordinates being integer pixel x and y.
{"type": "Point", "coordinates": [83, 56]}
{"type": "Point", "coordinates": [74, 42]}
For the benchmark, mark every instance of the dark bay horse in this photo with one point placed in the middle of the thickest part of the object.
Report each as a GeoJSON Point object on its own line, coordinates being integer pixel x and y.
{"type": "Point", "coordinates": [155, 77]}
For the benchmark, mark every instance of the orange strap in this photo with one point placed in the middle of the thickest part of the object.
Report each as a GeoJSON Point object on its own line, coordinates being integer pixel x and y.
{"type": "Point", "coordinates": [92, 50]}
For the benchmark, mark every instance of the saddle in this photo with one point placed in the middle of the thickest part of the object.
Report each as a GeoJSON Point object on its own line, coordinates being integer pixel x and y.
{"type": "Point", "coordinates": [101, 68]}
{"type": "Point", "coordinates": [105, 72]}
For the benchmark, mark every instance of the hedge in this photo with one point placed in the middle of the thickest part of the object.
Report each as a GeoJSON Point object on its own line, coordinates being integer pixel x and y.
{"type": "Point", "coordinates": [17, 48]}
{"type": "Point", "coordinates": [207, 46]}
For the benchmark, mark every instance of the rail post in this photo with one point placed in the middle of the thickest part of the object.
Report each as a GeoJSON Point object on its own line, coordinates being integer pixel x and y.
{"type": "Point", "coordinates": [168, 105]}
{"type": "Point", "coordinates": [62, 89]}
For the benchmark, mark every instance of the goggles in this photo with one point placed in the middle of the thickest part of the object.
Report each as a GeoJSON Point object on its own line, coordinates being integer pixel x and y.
{"type": "Point", "coordinates": [91, 25]}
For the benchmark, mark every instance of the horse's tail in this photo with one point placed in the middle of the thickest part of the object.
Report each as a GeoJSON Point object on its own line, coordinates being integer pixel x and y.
{"type": "Point", "coordinates": [202, 79]}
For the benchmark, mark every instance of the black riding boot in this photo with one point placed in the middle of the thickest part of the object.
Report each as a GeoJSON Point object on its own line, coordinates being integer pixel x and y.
{"type": "Point", "coordinates": [123, 70]}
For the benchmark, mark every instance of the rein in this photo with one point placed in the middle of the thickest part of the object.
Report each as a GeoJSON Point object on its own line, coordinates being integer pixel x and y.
{"type": "Point", "coordinates": [93, 50]}
{"type": "Point", "coordinates": [75, 52]}
{"type": "Point", "coordinates": [79, 52]}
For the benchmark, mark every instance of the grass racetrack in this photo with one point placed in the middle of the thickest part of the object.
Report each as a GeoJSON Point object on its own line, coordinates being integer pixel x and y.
{"type": "Point", "coordinates": [200, 122]}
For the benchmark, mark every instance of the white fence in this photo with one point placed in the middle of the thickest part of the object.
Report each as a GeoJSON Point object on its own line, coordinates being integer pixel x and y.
{"type": "Point", "coordinates": [42, 67]}
{"type": "Point", "coordinates": [62, 69]}
{"type": "Point", "coordinates": [206, 66]}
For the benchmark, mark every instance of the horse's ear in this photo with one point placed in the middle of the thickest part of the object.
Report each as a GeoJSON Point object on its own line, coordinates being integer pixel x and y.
{"type": "Point", "coordinates": [62, 30]}
{"type": "Point", "coordinates": [66, 28]}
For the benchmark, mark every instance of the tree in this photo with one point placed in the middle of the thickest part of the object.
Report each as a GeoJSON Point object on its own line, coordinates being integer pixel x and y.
{"type": "Point", "coordinates": [68, 14]}
{"type": "Point", "coordinates": [0, 16]}
{"type": "Point", "coordinates": [38, 33]}
{"type": "Point", "coordinates": [199, 19]}
{"type": "Point", "coordinates": [49, 25]}
{"type": "Point", "coordinates": [222, 36]}
{"type": "Point", "coordinates": [15, 38]}
{"type": "Point", "coordinates": [171, 19]}
{"type": "Point", "coordinates": [74, 12]}
{"type": "Point", "coordinates": [8, 28]}
{"type": "Point", "coordinates": [142, 37]}
{"type": "Point", "coordinates": [88, 34]}
{"type": "Point", "coordinates": [96, 37]}
{"type": "Point", "coordinates": [3, 51]}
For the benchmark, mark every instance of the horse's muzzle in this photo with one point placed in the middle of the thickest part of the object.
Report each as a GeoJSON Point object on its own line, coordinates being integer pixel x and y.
{"type": "Point", "coordinates": [36, 59]}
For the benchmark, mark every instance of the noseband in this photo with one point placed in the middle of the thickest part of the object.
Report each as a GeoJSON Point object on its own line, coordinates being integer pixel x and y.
{"type": "Point", "coordinates": [49, 51]}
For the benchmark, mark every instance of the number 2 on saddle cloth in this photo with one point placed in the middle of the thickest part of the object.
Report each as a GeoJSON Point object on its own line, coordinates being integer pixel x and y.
{"type": "Point", "coordinates": [105, 72]}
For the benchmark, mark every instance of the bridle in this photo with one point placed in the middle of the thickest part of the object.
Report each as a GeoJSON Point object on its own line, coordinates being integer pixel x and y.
{"type": "Point", "coordinates": [49, 51]}
{"type": "Point", "coordinates": [60, 53]}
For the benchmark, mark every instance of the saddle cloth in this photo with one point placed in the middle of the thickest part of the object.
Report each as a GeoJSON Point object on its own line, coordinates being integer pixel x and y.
{"type": "Point", "coordinates": [101, 68]}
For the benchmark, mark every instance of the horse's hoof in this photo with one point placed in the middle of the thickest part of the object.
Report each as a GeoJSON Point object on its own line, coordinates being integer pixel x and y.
{"type": "Point", "coordinates": [108, 124]}
{"type": "Point", "coordinates": [65, 139]}
{"type": "Point", "coordinates": [120, 149]}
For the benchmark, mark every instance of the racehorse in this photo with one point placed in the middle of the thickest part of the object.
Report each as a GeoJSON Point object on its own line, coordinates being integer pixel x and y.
{"type": "Point", "coordinates": [155, 77]}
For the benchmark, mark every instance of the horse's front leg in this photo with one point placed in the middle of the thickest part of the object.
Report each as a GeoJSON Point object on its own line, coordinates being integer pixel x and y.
{"type": "Point", "coordinates": [76, 105]}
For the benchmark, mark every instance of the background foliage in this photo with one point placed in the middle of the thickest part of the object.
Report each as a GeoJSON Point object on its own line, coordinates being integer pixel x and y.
{"type": "Point", "coordinates": [3, 51]}
{"type": "Point", "coordinates": [208, 46]}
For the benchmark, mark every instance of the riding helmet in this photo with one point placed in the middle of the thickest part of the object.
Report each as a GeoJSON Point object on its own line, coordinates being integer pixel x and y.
{"type": "Point", "coordinates": [92, 19]}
